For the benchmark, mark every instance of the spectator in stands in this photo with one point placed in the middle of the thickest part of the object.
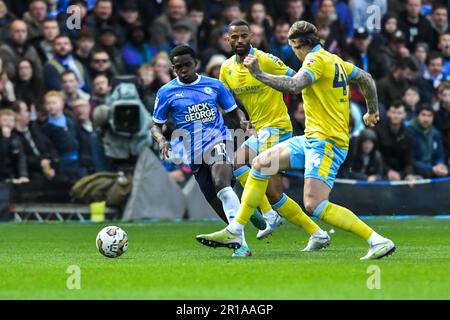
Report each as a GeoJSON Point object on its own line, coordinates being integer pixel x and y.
{"type": "Point", "coordinates": [5, 19]}
{"type": "Point", "coordinates": [107, 40]}
{"type": "Point", "coordinates": [213, 67]}
{"type": "Point", "coordinates": [85, 43]}
{"type": "Point", "coordinates": [13, 162]}
{"type": "Point", "coordinates": [396, 145]}
{"type": "Point", "coordinates": [392, 87]}
{"type": "Point", "coordinates": [101, 88]}
{"type": "Point", "coordinates": [327, 12]}
{"type": "Point", "coordinates": [359, 50]}
{"type": "Point", "coordinates": [17, 47]}
{"type": "Point", "coordinates": [324, 32]}
{"type": "Point", "coordinates": [411, 99]}
{"type": "Point", "coordinates": [389, 56]}
{"type": "Point", "coordinates": [128, 18]}
{"type": "Point", "coordinates": [6, 89]}
{"type": "Point", "coordinates": [220, 45]}
{"type": "Point", "coordinates": [34, 18]}
{"type": "Point", "coordinates": [415, 26]}
{"type": "Point", "coordinates": [442, 116]}
{"type": "Point", "coordinates": [50, 30]}
{"type": "Point", "coordinates": [258, 39]}
{"type": "Point", "coordinates": [40, 154]}
{"type": "Point", "coordinates": [295, 11]}
{"type": "Point", "coordinates": [181, 35]}
{"type": "Point", "coordinates": [439, 21]}
{"type": "Point", "coordinates": [366, 162]}
{"type": "Point", "coordinates": [137, 50]}
{"type": "Point", "coordinates": [389, 24]}
{"type": "Point", "coordinates": [71, 90]}
{"type": "Point", "coordinates": [444, 47]}
{"type": "Point", "coordinates": [298, 119]}
{"type": "Point", "coordinates": [161, 28]}
{"type": "Point", "coordinates": [432, 77]}
{"type": "Point", "coordinates": [101, 16]}
{"type": "Point", "coordinates": [421, 52]}
{"type": "Point", "coordinates": [256, 14]}
{"type": "Point", "coordinates": [146, 75]}
{"type": "Point", "coordinates": [342, 13]}
{"type": "Point", "coordinates": [279, 45]}
{"type": "Point", "coordinates": [63, 59]}
{"type": "Point", "coordinates": [231, 11]}
{"type": "Point", "coordinates": [100, 63]}
{"type": "Point", "coordinates": [204, 25]}
{"type": "Point", "coordinates": [92, 153]}
{"type": "Point", "coordinates": [429, 157]}
{"type": "Point", "coordinates": [52, 9]}
{"type": "Point", "coordinates": [28, 87]}
{"type": "Point", "coordinates": [62, 131]}
{"type": "Point", "coordinates": [161, 66]}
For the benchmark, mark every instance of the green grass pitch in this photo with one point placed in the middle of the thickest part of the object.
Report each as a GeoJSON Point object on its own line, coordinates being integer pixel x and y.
{"type": "Point", "coordinates": [164, 261]}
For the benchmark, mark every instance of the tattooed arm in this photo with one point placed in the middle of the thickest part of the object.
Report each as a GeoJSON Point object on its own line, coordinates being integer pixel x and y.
{"type": "Point", "coordinates": [369, 90]}
{"type": "Point", "coordinates": [292, 85]}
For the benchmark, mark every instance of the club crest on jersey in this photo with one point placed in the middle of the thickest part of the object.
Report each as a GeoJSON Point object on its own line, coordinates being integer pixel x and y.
{"type": "Point", "coordinates": [200, 112]}
{"type": "Point", "coordinates": [208, 90]}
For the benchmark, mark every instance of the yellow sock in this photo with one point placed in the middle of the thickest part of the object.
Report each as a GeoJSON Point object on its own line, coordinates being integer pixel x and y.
{"type": "Point", "coordinates": [254, 191]}
{"type": "Point", "coordinates": [241, 175]}
{"type": "Point", "coordinates": [289, 209]}
{"type": "Point", "coordinates": [342, 218]}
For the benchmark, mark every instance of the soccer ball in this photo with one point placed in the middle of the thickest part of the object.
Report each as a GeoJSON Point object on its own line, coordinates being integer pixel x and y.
{"type": "Point", "coordinates": [112, 242]}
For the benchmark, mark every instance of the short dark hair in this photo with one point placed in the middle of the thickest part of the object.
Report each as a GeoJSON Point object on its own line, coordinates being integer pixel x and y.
{"type": "Point", "coordinates": [182, 50]}
{"type": "Point", "coordinates": [67, 72]}
{"type": "Point", "coordinates": [438, 6]}
{"type": "Point", "coordinates": [239, 23]}
{"type": "Point", "coordinates": [432, 56]}
{"type": "Point", "coordinates": [407, 63]}
{"type": "Point", "coordinates": [395, 104]}
{"type": "Point", "coordinates": [423, 107]}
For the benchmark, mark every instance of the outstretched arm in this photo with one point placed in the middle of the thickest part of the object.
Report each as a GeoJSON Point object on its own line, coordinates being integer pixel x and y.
{"type": "Point", "coordinates": [293, 85]}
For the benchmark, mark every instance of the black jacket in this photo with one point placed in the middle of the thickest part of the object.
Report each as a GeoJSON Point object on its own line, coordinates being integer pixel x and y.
{"type": "Point", "coordinates": [13, 162]}
{"type": "Point", "coordinates": [37, 147]}
{"type": "Point", "coordinates": [396, 149]}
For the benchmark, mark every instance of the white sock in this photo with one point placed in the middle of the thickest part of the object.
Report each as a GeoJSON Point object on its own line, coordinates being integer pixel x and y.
{"type": "Point", "coordinates": [230, 202]}
{"type": "Point", "coordinates": [235, 227]}
{"type": "Point", "coordinates": [319, 234]}
{"type": "Point", "coordinates": [375, 238]}
{"type": "Point", "coordinates": [269, 214]}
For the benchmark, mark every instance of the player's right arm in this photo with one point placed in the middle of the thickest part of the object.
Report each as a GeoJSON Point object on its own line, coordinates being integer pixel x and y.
{"type": "Point", "coordinates": [159, 119]}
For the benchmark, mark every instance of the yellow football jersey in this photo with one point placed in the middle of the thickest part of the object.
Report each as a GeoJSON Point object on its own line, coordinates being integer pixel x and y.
{"type": "Point", "coordinates": [264, 105]}
{"type": "Point", "coordinates": [326, 101]}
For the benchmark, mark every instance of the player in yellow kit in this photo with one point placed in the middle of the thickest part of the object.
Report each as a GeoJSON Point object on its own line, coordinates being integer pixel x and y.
{"type": "Point", "coordinates": [269, 116]}
{"type": "Point", "coordinates": [323, 81]}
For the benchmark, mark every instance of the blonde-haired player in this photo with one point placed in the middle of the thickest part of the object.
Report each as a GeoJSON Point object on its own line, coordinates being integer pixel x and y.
{"type": "Point", "coordinates": [323, 81]}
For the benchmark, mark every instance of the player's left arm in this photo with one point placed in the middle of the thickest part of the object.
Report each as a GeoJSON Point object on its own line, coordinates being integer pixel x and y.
{"type": "Point", "coordinates": [292, 84]}
{"type": "Point", "coordinates": [368, 88]}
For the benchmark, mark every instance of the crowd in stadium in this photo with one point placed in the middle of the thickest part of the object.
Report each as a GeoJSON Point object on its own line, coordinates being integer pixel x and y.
{"type": "Point", "coordinates": [53, 76]}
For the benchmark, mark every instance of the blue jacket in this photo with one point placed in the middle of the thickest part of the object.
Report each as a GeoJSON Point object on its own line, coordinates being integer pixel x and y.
{"type": "Point", "coordinates": [428, 149]}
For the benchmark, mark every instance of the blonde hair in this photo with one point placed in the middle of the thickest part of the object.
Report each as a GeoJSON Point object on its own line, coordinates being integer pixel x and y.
{"type": "Point", "coordinates": [301, 29]}
{"type": "Point", "coordinates": [7, 112]}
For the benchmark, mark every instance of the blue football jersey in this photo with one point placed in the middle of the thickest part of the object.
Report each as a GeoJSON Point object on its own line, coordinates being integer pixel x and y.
{"type": "Point", "coordinates": [195, 113]}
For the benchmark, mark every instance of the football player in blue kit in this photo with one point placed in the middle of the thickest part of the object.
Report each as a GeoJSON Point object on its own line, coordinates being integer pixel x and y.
{"type": "Point", "coordinates": [193, 102]}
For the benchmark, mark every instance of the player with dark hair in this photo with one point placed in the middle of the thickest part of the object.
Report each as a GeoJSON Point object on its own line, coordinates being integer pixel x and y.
{"type": "Point", "coordinates": [323, 81]}
{"type": "Point", "coordinates": [193, 102]}
{"type": "Point", "coordinates": [269, 115]}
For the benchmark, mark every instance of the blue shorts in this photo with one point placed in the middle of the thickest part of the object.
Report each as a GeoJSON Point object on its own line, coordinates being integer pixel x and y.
{"type": "Point", "coordinates": [266, 138]}
{"type": "Point", "coordinates": [321, 159]}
